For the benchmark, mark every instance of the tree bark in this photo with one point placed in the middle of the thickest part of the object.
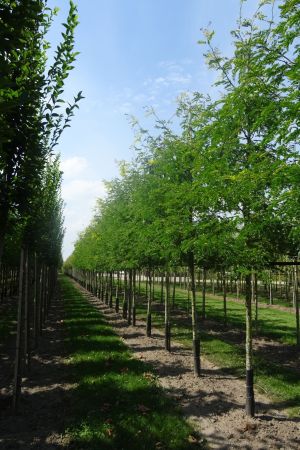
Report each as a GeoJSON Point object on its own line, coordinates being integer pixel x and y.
{"type": "Point", "coordinates": [296, 304]}
{"type": "Point", "coordinates": [224, 297]}
{"type": "Point", "coordinates": [19, 340]}
{"type": "Point", "coordinates": [149, 304]}
{"type": "Point", "coordinates": [250, 402]}
{"type": "Point", "coordinates": [195, 328]}
{"type": "Point", "coordinates": [167, 313]}
{"type": "Point", "coordinates": [204, 293]}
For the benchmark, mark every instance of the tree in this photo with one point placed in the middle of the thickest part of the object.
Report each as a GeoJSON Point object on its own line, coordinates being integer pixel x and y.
{"type": "Point", "coordinates": [31, 101]}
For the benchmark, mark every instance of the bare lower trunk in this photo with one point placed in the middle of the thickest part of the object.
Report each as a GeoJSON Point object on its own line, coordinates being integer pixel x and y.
{"type": "Point", "coordinates": [250, 402]}
{"type": "Point", "coordinates": [167, 314]}
{"type": "Point", "coordinates": [117, 293]}
{"type": "Point", "coordinates": [19, 340]}
{"type": "Point", "coordinates": [134, 298]}
{"type": "Point", "coordinates": [26, 312]}
{"type": "Point", "coordinates": [129, 314]}
{"type": "Point", "coordinates": [296, 303]}
{"type": "Point", "coordinates": [270, 289]}
{"type": "Point", "coordinates": [204, 294]}
{"type": "Point", "coordinates": [224, 297]}
{"type": "Point", "coordinates": [149, 325]}
{"type": "Point", "coordinates": [111, 289]}
{"type": "Point", "coordinates": [195, 328]}
{"type": "Point", "coordinates": [125, 296]}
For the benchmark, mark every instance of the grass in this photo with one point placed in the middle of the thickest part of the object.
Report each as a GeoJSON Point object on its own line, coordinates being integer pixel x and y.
{"type": "Point", "coordinates": [272, 323]}
{"type": "Point", "coordinates": [280, 383]}
{"type": "Point", "coordinates": [117, 404]}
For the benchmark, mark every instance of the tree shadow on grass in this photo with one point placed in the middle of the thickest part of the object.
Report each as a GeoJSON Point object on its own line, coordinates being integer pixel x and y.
{"type": "Point", "coordinates": [116, 405]}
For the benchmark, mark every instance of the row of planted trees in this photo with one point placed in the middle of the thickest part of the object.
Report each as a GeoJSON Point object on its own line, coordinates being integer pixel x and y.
{"type": "Point", "coordinates": [33, 114]}
{"type": "Point", "coordinates": [223, 192]}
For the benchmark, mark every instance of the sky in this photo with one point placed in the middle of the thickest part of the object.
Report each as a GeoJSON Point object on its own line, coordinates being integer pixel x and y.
{"type": "Point", "coordinates": [134, 54]}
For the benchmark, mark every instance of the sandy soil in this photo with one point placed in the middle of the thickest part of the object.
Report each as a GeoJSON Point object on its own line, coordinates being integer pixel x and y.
{"type": "Point", "coordinates": [214, 403]}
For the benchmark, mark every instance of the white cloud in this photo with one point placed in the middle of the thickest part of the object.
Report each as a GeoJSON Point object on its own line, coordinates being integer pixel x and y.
{"type": "Point", "coordinates": [74, 166]}
{"type": "Point", "coordinates": [82, 188]}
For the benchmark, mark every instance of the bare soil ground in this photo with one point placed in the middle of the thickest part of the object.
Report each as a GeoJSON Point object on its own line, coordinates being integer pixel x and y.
{"type": "Point", "coordinates": [270, 349]}
{"type": "Point", "coordinates": [214, 403]}
{"type": "Point", "coordinates": [46, 393]}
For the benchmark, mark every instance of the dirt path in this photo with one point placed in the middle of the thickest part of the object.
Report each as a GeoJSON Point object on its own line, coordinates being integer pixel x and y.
{"type": "Point", "coordinates": [45, 395]}
{"type": "Point", "coordinates": [214, 404]}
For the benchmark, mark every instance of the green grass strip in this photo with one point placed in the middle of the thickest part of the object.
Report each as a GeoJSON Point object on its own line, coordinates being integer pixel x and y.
{"type": "Point", "coordinates": [117, 404]}
{"type": "Point", "coordinates": [272, 323]}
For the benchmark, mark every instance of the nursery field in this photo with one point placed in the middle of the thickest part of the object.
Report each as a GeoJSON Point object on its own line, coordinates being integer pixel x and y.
{"type": "Point", "coordinates": [277, 361]}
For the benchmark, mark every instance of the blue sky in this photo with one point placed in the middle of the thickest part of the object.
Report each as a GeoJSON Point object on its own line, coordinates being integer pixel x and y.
{"type": "Point", "coordinates": [133, 54]}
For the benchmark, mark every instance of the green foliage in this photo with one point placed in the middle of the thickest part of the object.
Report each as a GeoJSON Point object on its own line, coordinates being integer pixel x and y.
{"type": "Point", "coordinates": [32, 118]}
{"type": "Point", "coordinates": [225, 188]}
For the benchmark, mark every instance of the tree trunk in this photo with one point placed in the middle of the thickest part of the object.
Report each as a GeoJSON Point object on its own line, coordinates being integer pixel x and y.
{"type": "Point", "coordinates": [224, 297]}
{"type": "Point", "coordinates": [255, 299]}
{"type": "Point", "coordinates": [19, 340]}
{"type": "Point", "coordinates": [167, 314]}
{"type": "Point", "coordinates": [117, 293]}
{"type": "Point", "coordinates": [195, 328]}
{"type": "Point", "coordinates": [296, 303]}
{"type": "Point", "coordinates": [111, 289]}
{"type": "Point", "coordinates": [125, 296]}
{"type": "Point", "coordinates": [250, 403]}
{"type": "Point", "coordinates": [26, 311]}
{"type": "Point", "coordinates": [203, 293]}
{"type": "Point", "coordinates": [134, 298]}
{"type": "Point", "coordinates": [149, 304]}
{"type": "Point", "coordinates": [174, 291]}
{"type": "Point", "coordinates": [161, 288]}
{"type": "Point", "coordinates": [270, 289]}
{"type": "Point", "coordinates": [129, 315]}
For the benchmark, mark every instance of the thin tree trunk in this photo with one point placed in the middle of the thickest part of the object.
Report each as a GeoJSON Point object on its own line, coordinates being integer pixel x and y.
{"type": "Point", "coordinates": [270, 289]}
{"type": "Point", "coordinates": [195, 328]}
{"type": "Point", "coordinates": [224, 297]}
{"type": "Point", "coordinates": [134, 298]}
{"type": "Point", "coordinates": [125, 296]}
{"type": "Point", "coordinates": [111, 289]}
{"type": "Point", "coordinates": [26, 311]}
{"type": "Point", "coordinates": [129, 315]}
{"type": "Point", "coordinates": [167, 314]}
{"type": "Point", "coordinates": [19, 343]}
{"type": "Point", "coordinates": [250, 402]}
{"type": "Point", "coordinates": [149, 304]}
{"type": "Point", "coordinates": [117, 292]}
{"type": "Point", "coordinates": [203, 293]}
{"type": "Point", "coordinates": [296, 303]}
{"type": "Point", "coordinates": [161, 288]}
{"type": "Point", "coordinates": [174, 291]}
